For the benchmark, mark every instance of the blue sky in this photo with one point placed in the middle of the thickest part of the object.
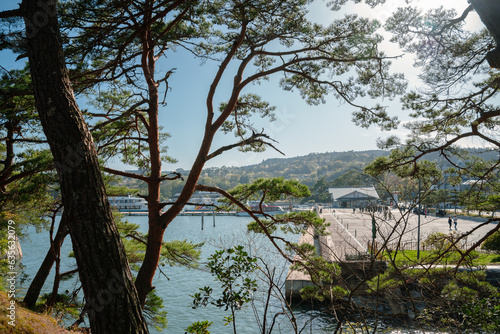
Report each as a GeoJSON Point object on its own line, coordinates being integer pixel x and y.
{"type": "Point", "coordinates": [300, 129]}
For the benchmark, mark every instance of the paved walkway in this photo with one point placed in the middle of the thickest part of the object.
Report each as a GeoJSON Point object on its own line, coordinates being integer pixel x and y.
{"type": "Point", "coordinates": [351, 232]}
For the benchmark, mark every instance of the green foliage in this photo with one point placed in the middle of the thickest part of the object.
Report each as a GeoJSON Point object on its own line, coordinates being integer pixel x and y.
{"type": "Point", "coordinates": [453, 293]}
{"type": "Point", "coordinates": [438, 241]}
{"type": "Point", "coordinates": [451, 296]}
{"type": "Point", "coordinates": [409, 257]}
{"type": "Point", "coordinates": [232, 268]}
{"type": "Point", "coordinates": [383, 282]}
{"type": "Point", "coordinates": [257, 39]}
{"type": "Point", "coordinates": [492, 243]}
{"type": "Point", "coordinates": [401, 162]}
{"type": "Point", "coordinates": [174, 253]}
{"type": "Point", "coordinates": [309, 169]}
{"type": "Point", "coordinates": [468, 304]}
{"type": "Point", "coordinates": [199, 327]}
{"type": "Point", "coordinates": [180, 253]}
{"type": "Point", "coordinates": [434, 197]}
{"type": "Point", "coordinates": [293, 222]}
{"type": "Point", "coordinates": [319, 192]}
{"type": "Point", "coordinates": [21, 152]}
{"type": "Point", "coordinates": [66, 307]}
{"type": "Point", "coordinates": [17, 107]}
{"type": "Point", "coordinates": [326, 275]}
{"type": "Point", "coordinates": [492, 203]}
{"type": "Point", "coordinates": [460, 98]}
{"type": "Point", "coordinates": [270, 190]}
{"type": "Point", "coordinates": [320, 171]}
{"type": "Point", "coordinates": [321, 294]}
{"type": "Point", "coordinates": [123, 133]}
{"type": "Point", "coordinates": [482, 314]}
{"type": "Point", "coordinates": [240, 122]}
{"type": "Point", "coordinates": [432, 280]}
{"type": "Point", "coordinates": [154, 313]}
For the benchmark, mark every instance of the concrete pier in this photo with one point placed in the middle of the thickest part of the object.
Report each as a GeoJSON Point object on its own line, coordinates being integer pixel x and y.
{"type": "Point", "coordinates": [297, 280]}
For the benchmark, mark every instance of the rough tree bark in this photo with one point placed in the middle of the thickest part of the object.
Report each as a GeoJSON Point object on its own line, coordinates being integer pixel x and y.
{"type": "Point", "coordinates": [489, 12]}
{"type": "Point", "coordinates": [111, 299]}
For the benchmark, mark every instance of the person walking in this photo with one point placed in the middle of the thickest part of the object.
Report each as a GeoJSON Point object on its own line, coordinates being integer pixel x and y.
{"type": "Point", "coordinates": [455, 221]}
{"type": "Point", "coordinates": [450, 221]}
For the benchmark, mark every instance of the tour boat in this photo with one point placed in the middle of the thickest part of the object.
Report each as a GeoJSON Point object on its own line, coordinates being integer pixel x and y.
{"type": "Point", "coordinates": [128, 203]}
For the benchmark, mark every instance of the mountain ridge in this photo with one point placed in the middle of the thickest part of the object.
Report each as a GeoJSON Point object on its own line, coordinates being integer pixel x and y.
{"type": "Point", "coordinates": [308, 169]}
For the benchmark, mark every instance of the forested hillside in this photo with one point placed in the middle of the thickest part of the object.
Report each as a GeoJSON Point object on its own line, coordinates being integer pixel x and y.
{"type": "Point", "coordinates": [307, 169]}
{"type": "Point", "coordinates": [316, 170]}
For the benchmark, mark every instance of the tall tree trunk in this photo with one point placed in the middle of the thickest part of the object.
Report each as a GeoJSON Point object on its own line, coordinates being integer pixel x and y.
{"type": "Point", "coordinates": [158, 221]}
{"type": "Point", "coordinates": [112, 301]}
{"type": "Point", "coordinates": [43, 272]}
{"type": "Point", "coordinates": [144, 280]}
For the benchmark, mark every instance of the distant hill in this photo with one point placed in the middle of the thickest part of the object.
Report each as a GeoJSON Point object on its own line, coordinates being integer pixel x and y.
{"type": "Point", "coordinates": [308, 169]}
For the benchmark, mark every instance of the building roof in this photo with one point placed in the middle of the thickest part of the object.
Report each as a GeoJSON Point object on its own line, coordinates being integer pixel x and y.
{"type": "Point", "coordinates": [353, 194]}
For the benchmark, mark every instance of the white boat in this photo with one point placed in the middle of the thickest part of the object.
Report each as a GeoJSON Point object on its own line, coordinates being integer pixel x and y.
{"type": "Point", "coordinates": [128, 203]}
{"type": "Point", "coordinates": [272, 210]}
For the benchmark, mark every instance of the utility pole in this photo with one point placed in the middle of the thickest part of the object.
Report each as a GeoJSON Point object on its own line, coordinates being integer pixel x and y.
{"type": "Point", "coordinates": [418, 226]}
{"type": "Point", "coordinates": [374, 234]}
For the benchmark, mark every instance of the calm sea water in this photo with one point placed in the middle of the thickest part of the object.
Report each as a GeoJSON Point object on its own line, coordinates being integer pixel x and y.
{"type": "Point", "coordinates": [177, 284]}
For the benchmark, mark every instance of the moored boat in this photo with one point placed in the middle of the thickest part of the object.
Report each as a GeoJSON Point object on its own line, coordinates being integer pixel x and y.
{"type": "Point", "coordinates": [272, 210]}
{"type": "Point", "coordinates": [128, 203]}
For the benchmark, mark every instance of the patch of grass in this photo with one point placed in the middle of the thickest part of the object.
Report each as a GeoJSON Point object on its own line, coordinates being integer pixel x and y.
{"type": "Point", "coordinates": [26, 321]}
{"type": "Point", "coordinates": [409, 257]}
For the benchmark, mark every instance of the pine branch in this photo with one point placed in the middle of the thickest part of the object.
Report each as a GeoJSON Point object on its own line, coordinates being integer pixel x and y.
{"type": "Point", "coordinates": [125, 174]}
{"type": "Point", "coordinates": [455, 21]}
{"type": "Point", "coordinates": [255, 138]}
{"type": "Point", "coordinates": [227, 195]}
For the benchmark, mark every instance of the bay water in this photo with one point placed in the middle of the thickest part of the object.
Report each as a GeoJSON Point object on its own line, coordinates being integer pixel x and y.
{"type": "Point", "coordinates": [175, 284]}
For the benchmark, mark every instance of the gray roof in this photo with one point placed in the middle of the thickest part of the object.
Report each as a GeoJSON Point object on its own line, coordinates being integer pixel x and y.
{"type": "Point", "coordinates": [351, 193]}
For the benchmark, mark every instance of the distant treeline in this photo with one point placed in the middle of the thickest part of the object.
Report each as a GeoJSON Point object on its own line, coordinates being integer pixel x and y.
{"type": "Point", "coordinates": [316, 170]}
